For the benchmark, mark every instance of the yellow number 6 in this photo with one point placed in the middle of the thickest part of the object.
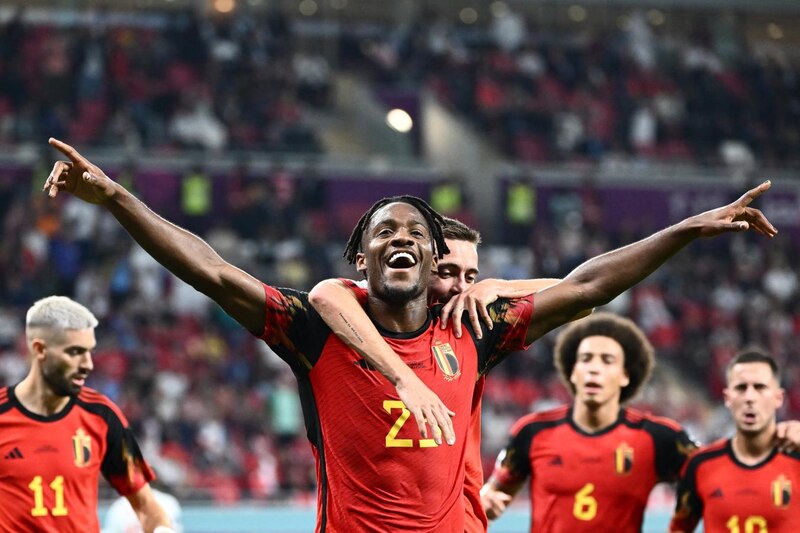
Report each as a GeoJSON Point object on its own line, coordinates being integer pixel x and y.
{"type": "Point", "coordinates": [585, 507]}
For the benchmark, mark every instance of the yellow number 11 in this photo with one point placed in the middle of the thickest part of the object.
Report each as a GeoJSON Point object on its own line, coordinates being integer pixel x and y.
{"type": "Point", "coordinates": [38, 497]}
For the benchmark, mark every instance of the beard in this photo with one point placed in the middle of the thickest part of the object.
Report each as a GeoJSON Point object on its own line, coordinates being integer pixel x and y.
{"type": "Point", "coordinates": [58, 382]}
{"type": "Point", "coordinates": [400, 296]}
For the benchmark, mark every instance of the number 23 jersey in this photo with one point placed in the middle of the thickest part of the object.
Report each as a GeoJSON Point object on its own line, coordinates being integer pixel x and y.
{"type": "Point", "coordinates": [376, 473]}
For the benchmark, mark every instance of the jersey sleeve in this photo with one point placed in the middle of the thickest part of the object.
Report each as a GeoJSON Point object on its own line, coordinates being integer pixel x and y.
{"type": "Point", "coordinates": [293, 329]}
{"type": "Point", "coordinates": [513, 465]}
{"type": "Point", "coordinates": [688, 507]}
{"type": "Point", "coordinates": [123, 465]}
{"type": "Point", "coordinates": [672, 447]}
{"type": "Point", "coordinates": [511, 318]}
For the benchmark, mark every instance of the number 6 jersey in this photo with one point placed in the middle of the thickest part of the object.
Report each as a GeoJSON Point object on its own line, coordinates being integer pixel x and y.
{"type": "Point", "coordinates": [50, 466]}
{"type": "Point", "coordinates": [591, 481]}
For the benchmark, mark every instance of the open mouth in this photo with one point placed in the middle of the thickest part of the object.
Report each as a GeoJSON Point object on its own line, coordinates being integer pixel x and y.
{"type": "Point", "coordinates": [79, 380]}
{"type": "Point", "coordinates": [592, 387]}
{"type": "Point", "coordinates": [399, 260]}
{"type": "Point", "coordinates": [749, 418]}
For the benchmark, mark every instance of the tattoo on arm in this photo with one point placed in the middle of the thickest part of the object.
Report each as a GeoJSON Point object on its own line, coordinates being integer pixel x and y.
{"type": "Point", "coordinates": [349, 325]}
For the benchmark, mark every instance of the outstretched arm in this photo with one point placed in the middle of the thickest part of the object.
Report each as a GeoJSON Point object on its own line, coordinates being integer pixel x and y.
{"type": "Point", "coordinates": [340, 309]}
{"type": "Point", "coordinates": [475, 299]}
{"type": "Point", "coordinates": [151, 515]}
{"type": "Point", "coordinates": [599, 280]}
{"type": "Point", "coordinates": [184, 254]}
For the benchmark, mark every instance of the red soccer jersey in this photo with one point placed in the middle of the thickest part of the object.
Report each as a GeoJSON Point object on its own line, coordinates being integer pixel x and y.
{"type": "Point", "coordinates": [375, 472]}
{"type": "Point", "coordinates": [591, 481]}
{"type": "Point", "coordinates": [475, 520]}
{"type": "Point", "coordinates": [732, 497]}
{"type": "Point", "coordinates": [50, 465]}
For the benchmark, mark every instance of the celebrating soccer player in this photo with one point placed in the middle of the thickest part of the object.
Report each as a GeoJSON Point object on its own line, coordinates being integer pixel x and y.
{"type": "Point", "coordinates": [377, 473]}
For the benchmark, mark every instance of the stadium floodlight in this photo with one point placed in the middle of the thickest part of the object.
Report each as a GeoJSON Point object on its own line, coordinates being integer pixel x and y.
{"type": "Point", "coordinates": [399, 120]}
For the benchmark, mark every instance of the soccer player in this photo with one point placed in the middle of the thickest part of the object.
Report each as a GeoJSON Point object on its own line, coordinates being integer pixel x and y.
{"type": "Point", "coordinates": [375, 472]}
{"type": "Point", "coordinates": [57, 436]}
{"type": "Point", "coordinates": [456, 272]}
{"type": "Point", "coordinates": [743, 484]}
{"type": "Point", "coordinates": [591, 464]}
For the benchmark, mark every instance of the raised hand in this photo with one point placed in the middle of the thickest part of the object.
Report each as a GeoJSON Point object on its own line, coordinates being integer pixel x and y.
{"type": "Point", "coordinates": [78, 176]}
{"type": "Point", "coordinates": [737, 216]}
{"type": "Point", "coordinates": [474, 300]}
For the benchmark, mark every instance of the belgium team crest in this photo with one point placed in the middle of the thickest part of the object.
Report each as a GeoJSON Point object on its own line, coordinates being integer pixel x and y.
{"type": "Point", "coordinates": [81, 448]}
{"type": "Point", "coordinates": [623, 459]}
{"type": "Point", "coordinates": [447, 360]}
{"type": "Point", "coordinates": [781, 492]}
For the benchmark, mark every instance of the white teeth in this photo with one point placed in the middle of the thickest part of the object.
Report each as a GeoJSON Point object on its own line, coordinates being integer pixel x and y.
{"type": "Point", "coordinates": [400, 255]}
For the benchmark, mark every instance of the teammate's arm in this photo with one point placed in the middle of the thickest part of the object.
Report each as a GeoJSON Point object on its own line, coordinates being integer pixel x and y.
{"type": "Point", "coordinates": [599, 280]}
{"type": "Point", "coordinates": [180, 251]}
{"type": "Point", "coordinates": [150, 513]}
{"type": "Point", "coordinates": [787, 436]}
{"type": "Point", "coordinates": [341, 310]}
{"type": "Point", "coordinates": [476, 298]}
{"type": "Point", "coordinates": [495, 496]}
{"type": "Point", "coordinates": [688, 507]}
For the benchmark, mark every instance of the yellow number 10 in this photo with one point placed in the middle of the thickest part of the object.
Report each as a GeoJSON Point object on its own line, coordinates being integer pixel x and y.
{"type": "Point", "coordinates": [38, 497]}
{"type": "Point", "coordinates": [750, 524]}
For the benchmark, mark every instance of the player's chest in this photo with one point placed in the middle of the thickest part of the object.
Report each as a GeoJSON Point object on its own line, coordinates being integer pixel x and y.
{"type": "Point", "coordinates": [564, 464]}
{"type": "Point", "coordinates": [446, 367]}
{"type": "Point", "coordinates": [41, 452]}
{"type": "Point", "coordinates": [738, 495]}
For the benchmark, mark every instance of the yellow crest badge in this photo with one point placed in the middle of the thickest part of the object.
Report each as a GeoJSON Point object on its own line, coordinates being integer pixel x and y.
{"type": "Point", "coordinates": [447, 360]}
{"type": "Point", "coordinates": [81, 448]}
{"type": "Point", "coordinates": [781, 492]}
{"type": "Point", "coordinates": [623, 459]}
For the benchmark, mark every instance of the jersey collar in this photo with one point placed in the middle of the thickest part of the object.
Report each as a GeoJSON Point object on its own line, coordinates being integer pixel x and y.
{"type": "Point", "coordinates": [12, 397]}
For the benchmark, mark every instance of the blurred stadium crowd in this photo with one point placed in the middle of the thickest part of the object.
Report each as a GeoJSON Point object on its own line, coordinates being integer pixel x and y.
{"type": "Point", "coordinates": [179, 80]}
{"type": "Point", "coordinates": [216, 411]}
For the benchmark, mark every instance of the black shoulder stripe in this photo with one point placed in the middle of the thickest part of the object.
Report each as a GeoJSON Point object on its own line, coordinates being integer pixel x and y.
{"type": "Point", "coordinates": [103, 410]}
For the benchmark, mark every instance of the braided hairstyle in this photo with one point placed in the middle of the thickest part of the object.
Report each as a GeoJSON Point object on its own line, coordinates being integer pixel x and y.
{"type": "Point", "coordinates": [432, 218]}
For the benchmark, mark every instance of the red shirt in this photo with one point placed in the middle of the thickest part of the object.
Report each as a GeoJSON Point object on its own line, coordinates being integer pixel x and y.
{"type": "Point", "coordinates": [732, 497]}
{"type": "Point", "coordinates": [375, 472]}
{"type": "Point", "coordinates": [50, 465]}
{"type": "Point", "coordinates": [591, 481]}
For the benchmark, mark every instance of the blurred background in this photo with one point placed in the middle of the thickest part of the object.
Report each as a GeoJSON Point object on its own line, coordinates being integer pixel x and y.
{"type": "Point", "coordinates": [559, 129]}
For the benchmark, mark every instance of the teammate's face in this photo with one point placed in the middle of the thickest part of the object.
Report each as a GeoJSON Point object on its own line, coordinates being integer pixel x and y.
{"type": "Point", "coordinates": [753, 396]}
{"type": "Point", "coordinates": [455, 273]}
{"type": "Point", "coordinates": [66, 360]}
{"type": "Point", "coordinates": [398, 257]}
{"type": "Point", "coordinates": [599, 372]}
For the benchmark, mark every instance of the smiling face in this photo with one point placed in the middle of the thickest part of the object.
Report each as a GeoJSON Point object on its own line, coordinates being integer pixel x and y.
{"type": "Point", "coordinates": [455, 272]}
{"type": "Point", "coordinates": [398, 253]}
{"type": "Point", "coordinates": [753, 395]}
{"type": "Point", "coordinates": [599, 372]}
{"type": "Point", "coordinates": [65, 359]}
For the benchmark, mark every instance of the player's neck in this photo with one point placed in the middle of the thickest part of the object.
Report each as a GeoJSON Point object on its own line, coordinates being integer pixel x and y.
{"type": "Point", "coordinates": [399, 318]}
{"type": "Point", "coordinates": [594, 418]}
{"type": "Point", "coordinates": [752, 449]}
{"type": "Point", "coordinates": [36, 397]}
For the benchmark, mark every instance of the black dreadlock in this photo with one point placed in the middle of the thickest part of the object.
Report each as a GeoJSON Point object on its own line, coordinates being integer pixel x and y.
{"type": "Point", "coordinates": [432, 218]}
